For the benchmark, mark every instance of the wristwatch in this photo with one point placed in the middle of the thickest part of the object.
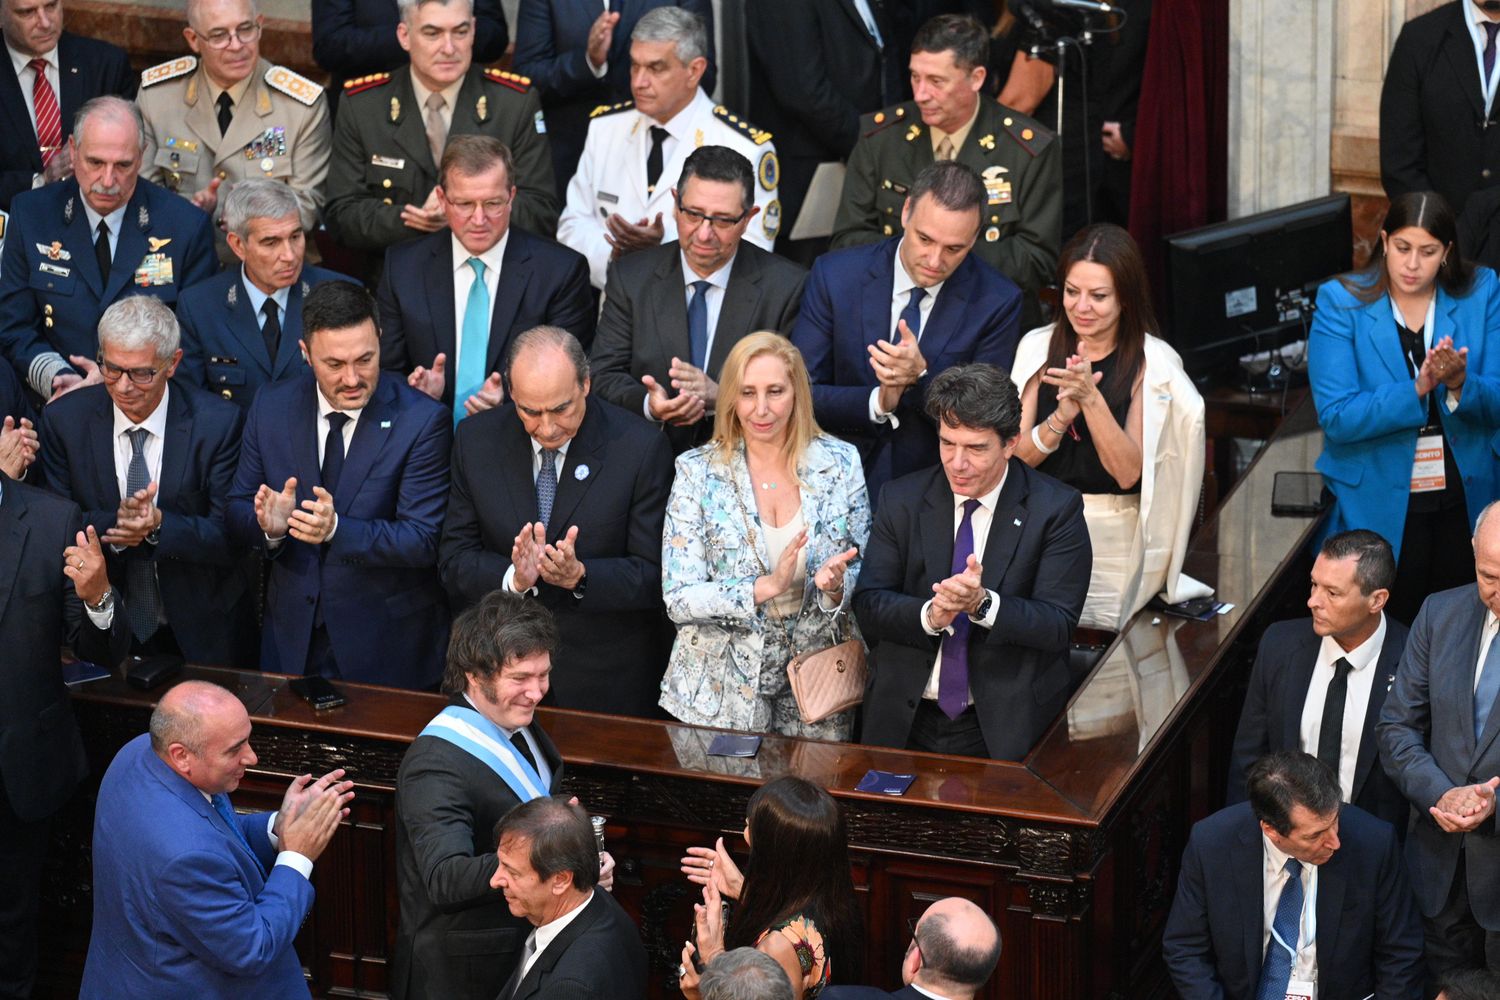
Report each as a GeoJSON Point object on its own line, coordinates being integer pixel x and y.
{"type": "Point", "coordinates": [581, 586]}
{"type": "Point", "coordinates": [983, 611]}
{"type": "Point", "coordinates": [106, 603]}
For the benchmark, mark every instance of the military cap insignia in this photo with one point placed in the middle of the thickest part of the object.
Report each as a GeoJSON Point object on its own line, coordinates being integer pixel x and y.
{"type": "Point", "coordinates": [363, 83]}
{"type": "Point", "coordinates": [482, 108]}
{"type": "Point", "coordinates": [169, 70]}
{"type": "Point", "coordinates": [520, 84]}
{"type": "Point", "coordinates": [770, 220]}
{"type": "Point", "coordinates": [759, 136]}
{"type": "Point", "coordinates": [769, 171]}
{"type": "Point", "coordinates": [609, 109]}
{"type": "Point", "coordinates": [293, 85]}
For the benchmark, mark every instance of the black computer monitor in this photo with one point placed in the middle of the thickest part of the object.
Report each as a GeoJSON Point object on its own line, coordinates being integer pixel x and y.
{"type": "Point", "coordinates": [1242, 286]}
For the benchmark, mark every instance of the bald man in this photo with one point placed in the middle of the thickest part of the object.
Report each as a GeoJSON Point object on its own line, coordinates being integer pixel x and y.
{"type": "Point", "coordinates": [190, 898]}
{"type": "Point", "coordinates": [952, 954]}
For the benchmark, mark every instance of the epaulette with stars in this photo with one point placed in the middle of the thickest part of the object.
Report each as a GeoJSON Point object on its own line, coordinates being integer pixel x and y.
{"type": "Point", "coordinates": [516, 82]}
{"type": "Point", "coordinates": [363, 83]}
{"type": "Point", "coordinates": [879, 121]}
{"type": "Point", "coordinates": [609, 109]}
{"type": "Point", "coordinates": [759, 136]}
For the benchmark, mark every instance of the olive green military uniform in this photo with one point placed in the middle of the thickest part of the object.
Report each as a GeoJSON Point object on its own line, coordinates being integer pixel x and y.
{"type": "Point", "coordinates": [382, 163]}
{"type": "Point", "coordinates": [1015, 156]}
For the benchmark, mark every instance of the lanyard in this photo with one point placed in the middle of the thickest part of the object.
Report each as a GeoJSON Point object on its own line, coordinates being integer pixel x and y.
{"type": "Point", "coordinates": [1307, 922]}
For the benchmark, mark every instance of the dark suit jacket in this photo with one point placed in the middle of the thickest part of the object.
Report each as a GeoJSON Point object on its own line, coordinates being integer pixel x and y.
{"type": "Point", "coordinates": [87, 68]}
{"type": "Point", "coordinates": [1369, 932]}
{"type": "Point", "coordinates": [1433, 134]}
{"type": "Point", "coordinates": [613, 486]}
{"type": "Point", "coordinates": [1036, 558]}
{"type": "Point", "coordinates": [456, 939]}
{"type": "Point", "coordinates": [644, 323]}
{"type": "Point", "coordinates": [41, 310]}
{"type": "Point", "coordinates": [598, 956]}
{"type": "Point", "coordinates": [551, 48]}
{"type": "Point", "coordinates": [1271, 718]}
{"type": "Point", "coordinates": [868, 993]}
{"type": "Point", "coordinates": [222, 347]}
{"type": "Point", "coordinates": [541, 282]}
{"type": "Point", "coordinates": [207, 598]}
{"type": "Point", "coordinates": [41, 757]}
{"type": "Point", "coordinates": [1427, 745]}
{"type": "Point", "coordinates": [377, 580]}
{"type": "Point", "coordinates": [847, 307]}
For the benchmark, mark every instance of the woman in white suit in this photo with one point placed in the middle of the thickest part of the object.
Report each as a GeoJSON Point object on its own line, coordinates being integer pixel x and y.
{"type": "Point", "coordinates": [1107, 408]}
{"type": "Point", "coordinates": [761, 548]}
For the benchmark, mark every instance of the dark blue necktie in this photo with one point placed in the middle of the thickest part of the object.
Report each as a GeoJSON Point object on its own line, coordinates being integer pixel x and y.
{"type": "Point", "coordinates": [953, 680]}
{"type": "Point", "coordinates": [333, 451]}
{"type": "Point", "coordinates": [912, 314]}
{"type": "Point", "coordinates": [1490, 27]}
{"type": "Point", "coordinates": [698, 325]}
{"type": "Point", "coordinates": [1487, 689]}
{"type": "Point", "coordinates": [226, 813]}
{"type": "Point", "coordinates": [1276, 970]}
{"type": "Point", "coordinates": [546, 485]}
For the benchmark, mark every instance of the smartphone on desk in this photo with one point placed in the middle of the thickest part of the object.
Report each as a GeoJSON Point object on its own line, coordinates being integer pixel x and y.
{"type": "Point", "coordinates": [318, 692]}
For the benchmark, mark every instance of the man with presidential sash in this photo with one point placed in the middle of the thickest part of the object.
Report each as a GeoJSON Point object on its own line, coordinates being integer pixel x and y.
{"type": "Point", "coordinates": [477, 759]}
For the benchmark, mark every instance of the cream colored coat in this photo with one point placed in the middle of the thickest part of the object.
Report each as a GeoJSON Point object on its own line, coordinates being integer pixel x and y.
{"type": "Point", "coordinates": [1172, 446]}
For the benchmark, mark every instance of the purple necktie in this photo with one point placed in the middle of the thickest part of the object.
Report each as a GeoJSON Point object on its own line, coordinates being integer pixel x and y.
{"type": "Point", "coordinates": [1490, 28]}
{"type": "Point", "coordinates": [953, 680]}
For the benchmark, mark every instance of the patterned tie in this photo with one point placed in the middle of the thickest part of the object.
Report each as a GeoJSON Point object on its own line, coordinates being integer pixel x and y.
{"type": "Point", "coordinates": [143, 598]}
{"type": "Point", "coordinates": [1490, 27]}
{"type": "Point", "coordinates": [953, 680]}
{"type": "Point", "coordinates": [333, 451]}
{"type": "Point", "coordinates": [698, 325]}
{"type": "Point", "coordinates": [653, 158]}
{"type": "Point", "coordinates": [1276, 970]}
{"type": "Point", "coordinates": [227, 814]}
{"type": "Point", "coordinates": [475, 343]}
{"type": "Point", "coordinates": [226, 111]}
{"type": "Point", "coordinates": [1487, 689]}
{"type": "Point", "coordinates": [546, 485]}
{"type": "Point", "coordinates": [49, 117]}
{"type": "Point", "coordinates": [437, 131]}
{"type": "Point", "coordinates": [1331, 730]}
{"type": "Point", "coordinates": [912, 314]}
{"type": "Point", "coordinates": [270, 330]}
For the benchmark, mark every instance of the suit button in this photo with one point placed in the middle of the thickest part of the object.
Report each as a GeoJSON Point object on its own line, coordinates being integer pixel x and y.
{"type": "Point", "coordinates": [386, 183]}
{"type": "Point", "coordinates": [888, 229]}
{"type": "Point", "coordinates": [227, 394]}
{"type": "Point", "coordinates": [386, 200]}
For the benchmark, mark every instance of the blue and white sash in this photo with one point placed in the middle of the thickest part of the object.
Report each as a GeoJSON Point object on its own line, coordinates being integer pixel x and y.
{"type": "Point", "coordinates": [485, 741]}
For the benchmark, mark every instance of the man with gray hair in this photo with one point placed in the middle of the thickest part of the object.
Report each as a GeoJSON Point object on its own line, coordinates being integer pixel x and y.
{"type": "Point", "coordinates": [240, 328]}
{"type": "Point", "coordinates": [150, 460]}
{"type": "Point", "coordinates": [77, 246]}
{"type": "Point", "coordinates": [224, 114]}
{"type": "Point", "coordinates": [744, 974]}
{"type": "Point", "coordinates": [620, 200]}
{"type": "Point", "coordinates": [954, 949]}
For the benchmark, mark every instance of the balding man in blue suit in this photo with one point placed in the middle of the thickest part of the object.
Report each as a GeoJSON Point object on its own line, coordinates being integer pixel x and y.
{"type": "Point", "coordinates": [192, 899]}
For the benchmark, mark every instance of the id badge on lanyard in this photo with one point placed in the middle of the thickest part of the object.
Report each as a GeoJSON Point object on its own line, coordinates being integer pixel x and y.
{"type": "Point", "coordinates": [1301, 989]}
{"type": "Point", "coordinates": [1427, 469]}
{"type": "Point", "coordinates": [1307, 931]}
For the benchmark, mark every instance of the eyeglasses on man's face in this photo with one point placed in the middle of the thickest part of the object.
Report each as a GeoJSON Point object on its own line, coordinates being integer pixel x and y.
{"type": "Point", "coordinates": [140, 376]}
{"type": "Point", "coordinates": [223, 37]}
{"type": "Point", "coordinates": [722, 223]}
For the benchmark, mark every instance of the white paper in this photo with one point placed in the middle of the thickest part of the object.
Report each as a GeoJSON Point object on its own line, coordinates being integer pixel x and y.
{"type": "Point", "coordinates": [822, 203]}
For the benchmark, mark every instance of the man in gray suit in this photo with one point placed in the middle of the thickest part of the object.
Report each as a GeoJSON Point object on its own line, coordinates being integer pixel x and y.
{"type": "Point", "coordinates": [1437, 736]}
{"type": "Point", "coordinates": [672, 313]}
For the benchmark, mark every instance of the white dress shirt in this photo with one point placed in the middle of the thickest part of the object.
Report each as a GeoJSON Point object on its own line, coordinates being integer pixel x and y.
{"type": "Point", "coordinates": [1361, 682]}
{"type": "Point", "coordinates": [26, 77]}
{"type": "Point", "coordinates": [980, 522]}
{"type": "Point", "coordinates": [1486, 636]}
{"type": "Point", "coordinates": [544, 935]}
{"type": "Point", "coordinates": [321, 433]}
{"type": "Point", "coordinates": [543, 771]}
{"type": "Point", "coordinates": [718, 284]}
{"type": "Point", "coordinates": [1273, 878]}
{"type": "Point", "coordinates": [156, 427]}
{"type": "Point", "coordinates": [115, 219]}
{"type": "Point", "coordinates": [901, 286]}
{"type": "Point", "coordinates": [463, 281]}
{"type": "Point", "coordinates": [509, 581]}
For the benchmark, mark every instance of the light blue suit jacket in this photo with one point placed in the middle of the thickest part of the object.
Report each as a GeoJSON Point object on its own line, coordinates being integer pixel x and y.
{"type": "Point", "coordinates": [181, 907]}
{"type": "Point", "coordinates": [1370, 412]}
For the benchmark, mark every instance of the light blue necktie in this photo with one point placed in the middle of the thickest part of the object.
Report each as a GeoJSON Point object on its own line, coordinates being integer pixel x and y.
{"type": "Point", "coordinates": [1487, 689]}
{"type": "Point", "coordinates": [475, 343]}
{"type": "Point", "coordinates": [698, 325]}
{"type": "Point", "coordinates": [1276, 970]}
{"type": "Point", "coordinates": [226, 813]}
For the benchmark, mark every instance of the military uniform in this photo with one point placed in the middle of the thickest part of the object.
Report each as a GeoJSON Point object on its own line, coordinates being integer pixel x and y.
{"type": "Point", "coordinates": [1019, 161]}
{"type": "Point", "coordinates": [280, 131]}
{"type": "Point", "coordinates": [611, 175]}
{"type": "Point", "coordinates": [382, 163]}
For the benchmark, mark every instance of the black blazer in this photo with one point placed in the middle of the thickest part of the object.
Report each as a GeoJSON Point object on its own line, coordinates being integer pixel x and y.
{"type": "Point", "coordinates": [1369, 931]}
{"type": "Point", "coordinates": [1272, 715]}
{"type": "Point", "coordinates": [644, 323]}
{"type": "Point", "coordinates": [87, 68]}
{"type": "Point", "coordinates": [1037, 559]}
{"type": "Point", "coordinates": [204, 589]}
{"type": "Point", "coordinates": [41, 756]}
{"type": "Point", "coordinates": [598, 956]}
{"type": "Point", "coordinates": [541, 282]}
{"type": "Point", "coordinates": [456, 939]}
{"type": "Point", "coordinates": [1433, 134]}
{"type": "Point", "coordinates": [868, 993]}
{"type": "Point", "coordinates": [613, 485]}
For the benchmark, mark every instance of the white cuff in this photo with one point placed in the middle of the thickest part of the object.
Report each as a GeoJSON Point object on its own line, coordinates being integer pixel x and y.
{"type": "Point", "coordinates": [646, 410]}
{"type": "Point", "coordinates": [1450, 400]}
{"type": "Point", "coordinates": [329, 537]}
{"type": "Point", "coordinates": [102, 619]}
{"type": "Point", "coordinates": [988, 621]}
{"type": "Point", "coordinates": [271, 830]}
{"type": "Point", "coordinates": [598, 71]}
{"type": "Point", "coordinates": [879, 416]}
{"type": "Point", "coordinates": [296, 862]}
{"type": "Point", "coordinates": [274, 543]}
{"type": "Point", "coordinates": [922, 617]}
{"type": "Point", "coordinates": [508, 584]}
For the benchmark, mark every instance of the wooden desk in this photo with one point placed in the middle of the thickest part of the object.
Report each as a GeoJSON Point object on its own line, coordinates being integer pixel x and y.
{"type": "Point", "coordinates": [1230, 413]}
{"type": "Point", "coordinates": [1073, 851]}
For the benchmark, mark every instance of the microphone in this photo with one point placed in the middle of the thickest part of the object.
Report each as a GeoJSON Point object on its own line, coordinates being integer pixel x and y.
{"type": "Point", "coordinates": [1091, 6]}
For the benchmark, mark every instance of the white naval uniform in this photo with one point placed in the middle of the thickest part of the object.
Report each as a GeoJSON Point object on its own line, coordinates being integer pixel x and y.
{"type": "Point", "coordinates": [611, 176]}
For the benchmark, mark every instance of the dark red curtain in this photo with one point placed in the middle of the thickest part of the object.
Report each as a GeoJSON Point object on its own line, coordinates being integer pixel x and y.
{"type": "Point", "coordinates": [1181, 141]}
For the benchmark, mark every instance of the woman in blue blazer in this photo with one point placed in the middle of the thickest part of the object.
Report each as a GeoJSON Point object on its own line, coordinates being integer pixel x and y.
{"type": "Point", "coordinates": [1405, 384]}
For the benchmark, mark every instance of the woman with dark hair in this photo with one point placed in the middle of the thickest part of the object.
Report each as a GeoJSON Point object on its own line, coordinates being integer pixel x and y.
{"type": "Point", "coordinates": [1100, 394]}
{"type": "Point", "coordinates": [1401, 376]}
{"type": "Point", "coordinates": [796, 896]}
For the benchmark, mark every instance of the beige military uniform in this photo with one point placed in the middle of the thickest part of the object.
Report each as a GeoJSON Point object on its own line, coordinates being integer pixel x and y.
{"type": "Point", "coordinates": [280, 130]}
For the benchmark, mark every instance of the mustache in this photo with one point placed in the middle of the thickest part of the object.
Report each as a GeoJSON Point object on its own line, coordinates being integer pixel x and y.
{"type": "Point", "coordinates": [114, 189]}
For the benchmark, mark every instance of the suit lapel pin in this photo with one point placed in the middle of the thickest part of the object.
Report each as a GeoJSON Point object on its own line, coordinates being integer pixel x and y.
{"type": "Point", "coordinates": [1390, 682]}
{"type": "Point", "coordinates": [1016, 522]}
{"type": "Point", "coordinates": [482, 108]}
{"type": "Point", "coordinates": [157, 242]}
{"type": "Point", "coordinates": [987, 141]}
{"type": "Point", "coordinates": [68, 211]}
{"type": "Point", "coordinates": [143, 218]}
{"type": "Point", "coordinates": [395, 109]}
{"type": "Point", "coordinates": [234, 295]}
{"type": "Point", "coordinates": [385, 425]}
{"type": "Point", "coordinates": [581, 472]}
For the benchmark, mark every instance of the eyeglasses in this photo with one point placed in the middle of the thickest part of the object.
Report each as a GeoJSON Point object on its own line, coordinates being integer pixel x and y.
{"type": "Point", "coordinates": [721, 223]}
{"type": "Point", "coordinates": [140, 376]}
{"type": "Point", "coordinates": [221, 39]}
{"type": "Point", "coordinates": [493, 208]}
{"type": "Point", "coordinates": [912, 923]}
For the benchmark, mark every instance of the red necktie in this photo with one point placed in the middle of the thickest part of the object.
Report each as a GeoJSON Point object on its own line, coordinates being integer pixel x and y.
{"type": "Point", "coordinates": [48, 117]}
